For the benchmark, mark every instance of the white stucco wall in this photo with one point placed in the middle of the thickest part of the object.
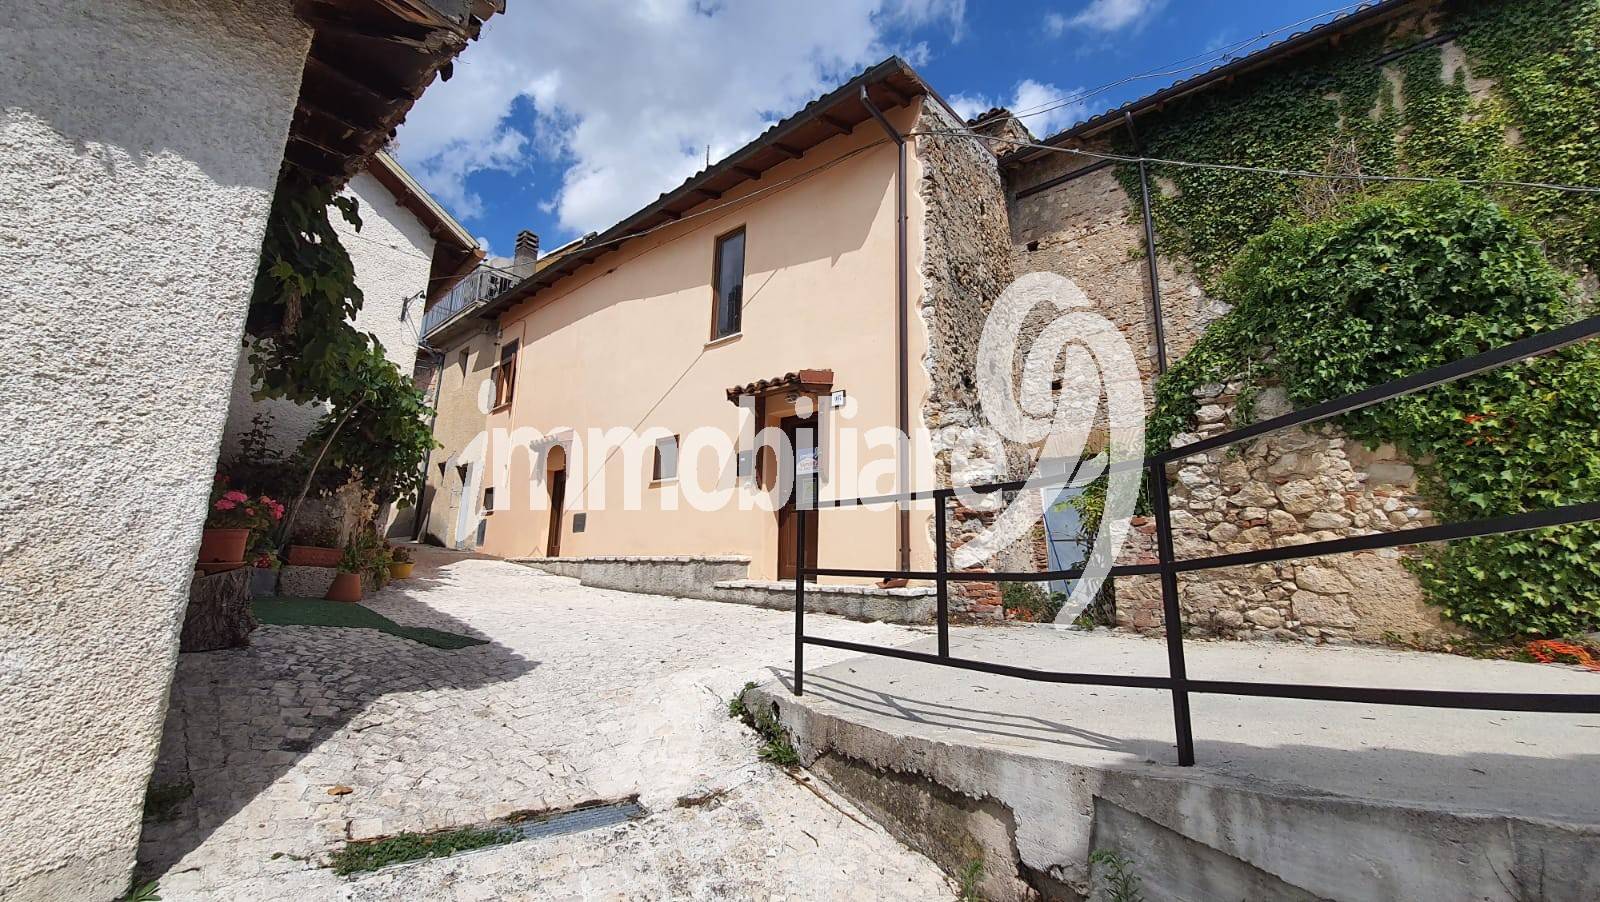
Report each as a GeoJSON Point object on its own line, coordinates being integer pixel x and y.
{"type": "Point", "coordinates": [139, 144]}
{"type": "Point", "coordinates": [392, 254]}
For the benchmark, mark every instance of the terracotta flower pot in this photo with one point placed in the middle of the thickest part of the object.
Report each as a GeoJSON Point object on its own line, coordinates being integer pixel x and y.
{"type": "Point", "coordinates": [401, 569]}
{"type": "Point", "coordinates": [223, 546]}
{"type": "Point", "coordinates": [346, 587]}
{"type": "Point", "coordinates": [314, 556]}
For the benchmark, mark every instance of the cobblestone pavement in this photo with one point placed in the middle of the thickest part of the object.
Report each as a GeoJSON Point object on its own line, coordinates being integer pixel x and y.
{"type": "Point", "coordinates": [581, 694]}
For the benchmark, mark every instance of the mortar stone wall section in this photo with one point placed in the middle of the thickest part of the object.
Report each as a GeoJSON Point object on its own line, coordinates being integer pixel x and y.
{"type": "Point", "coordinates": [140, 141]}
{"type": "Point", "coordinates": [1290, 488]}
{"type": "Point", "coordinates": [966, 264]}
{"type": "Point", "coordinates": [1089, 230]}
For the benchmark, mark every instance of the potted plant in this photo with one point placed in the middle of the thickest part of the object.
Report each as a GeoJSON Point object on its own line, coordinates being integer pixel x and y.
{"type": "Point", "coordinates": [232, 518]}
{"type": "Point", "coordinates": [402, 564]}
{"type": "Point", "coordinates": [365, 557]}
{"type": "Point", "coordinates": [347, 583]}
{"type": "Point", "coordinates": [264, 573]}
{"type": "Point", "coordinates": [316, 547]}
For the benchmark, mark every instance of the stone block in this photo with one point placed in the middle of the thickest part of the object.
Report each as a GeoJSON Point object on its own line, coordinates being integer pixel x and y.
{"type": "Point", "coordinates": [1223, 533]}
{"type": "Point", "coordinates": [1326, 520]}
{"type": "Point", "coordinates": [1323, 579]}
{"type": "Point", "coordinates": [1322, 610]}
{"type": "Point", "coordinates": [305, 582]}
{"type": "Point", "coordinates": [1266, 618]}
{"type": "Point", "coordinates": [1298, 496]}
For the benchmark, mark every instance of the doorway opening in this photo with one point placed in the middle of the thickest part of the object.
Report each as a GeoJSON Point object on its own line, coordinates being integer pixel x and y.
{"type": "Point", "coordinates": [555, 480]}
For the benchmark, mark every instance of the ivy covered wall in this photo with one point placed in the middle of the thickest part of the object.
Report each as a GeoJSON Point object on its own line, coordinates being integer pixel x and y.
{"type": "Point", "coordinates": [1512, 97]}
{"type": "Point", "coordinates": [1337, 285]}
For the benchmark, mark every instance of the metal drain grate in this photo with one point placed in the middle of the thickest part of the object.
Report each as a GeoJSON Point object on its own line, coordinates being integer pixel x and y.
{"type": "Point", "coordinates": [580, 819]}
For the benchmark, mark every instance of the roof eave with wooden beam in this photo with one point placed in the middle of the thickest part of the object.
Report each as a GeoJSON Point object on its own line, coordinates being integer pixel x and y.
{"type": "Point", "coordinates": [369, 62]}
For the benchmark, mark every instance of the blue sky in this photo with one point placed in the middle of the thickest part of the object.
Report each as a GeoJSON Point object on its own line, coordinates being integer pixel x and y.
{"type": "Point", "coordinates": [564, 117]}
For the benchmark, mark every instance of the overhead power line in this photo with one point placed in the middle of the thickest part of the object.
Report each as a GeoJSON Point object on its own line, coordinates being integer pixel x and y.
{"type": "Point", "coordinates": [1259, 170]}
{"type": "Point", "coordinates": [1173, 68]}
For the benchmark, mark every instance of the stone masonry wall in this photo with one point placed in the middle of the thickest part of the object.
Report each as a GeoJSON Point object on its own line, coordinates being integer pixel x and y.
{"type": "Point", "coordinates": [1086, 230]}
{"type": "Point", "coordinates": [1289, 488]}
{"type": "Point", "coordinates": [966, 263]}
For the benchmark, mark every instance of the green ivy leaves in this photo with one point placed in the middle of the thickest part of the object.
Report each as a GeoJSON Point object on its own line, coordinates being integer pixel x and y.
{"type": "Point", "coordinates": [1400, 283]}
{"type": "Point", "coordinates": [1333, 293]}
{"type": "Point", "coordinates": [307, 351]}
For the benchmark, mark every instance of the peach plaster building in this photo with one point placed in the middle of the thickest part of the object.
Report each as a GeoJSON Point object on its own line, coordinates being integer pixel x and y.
{"type": "Point", "coordinates": [624, 331]}
{"type": "Point", "coordinates": [826, 280]}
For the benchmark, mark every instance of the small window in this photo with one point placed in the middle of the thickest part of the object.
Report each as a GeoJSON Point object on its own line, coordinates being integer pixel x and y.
{"type": "Point", "coordinates": [505, 375]}
{"type": "Point", "coordinates": [728, 284]}
{"type": "Point", "coordinates": [462, 359]}
{"type": "Point", "coordinates": [666, 460]}
{"type": "Point", "coordinates": [488, 500]}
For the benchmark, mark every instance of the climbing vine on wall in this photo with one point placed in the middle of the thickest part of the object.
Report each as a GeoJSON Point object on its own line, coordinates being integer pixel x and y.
{"type": "Point", "coordinates": [1399, 283]}
{"type": "Point", "coordinates": [1336, 287]}
{"type": "Point", "coordinates": [307, 350]}
{"type": "Point", "coordinates": [1334, 110]}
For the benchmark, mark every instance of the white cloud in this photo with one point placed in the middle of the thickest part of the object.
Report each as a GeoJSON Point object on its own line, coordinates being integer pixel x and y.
{"type": "Point", "coordinates": [627, 94]}
{"type": "Point", "coordinates": [1105, 16]}
{"type": "Point", "coordinates": [1044, 109]}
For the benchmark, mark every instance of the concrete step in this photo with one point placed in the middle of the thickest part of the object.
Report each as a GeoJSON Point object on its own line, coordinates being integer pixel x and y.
{"type": "Point", "coordinates": [1290, 799]}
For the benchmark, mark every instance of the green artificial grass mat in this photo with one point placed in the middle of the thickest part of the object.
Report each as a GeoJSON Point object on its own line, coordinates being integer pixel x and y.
{"type": "Point", "coordinates": [281, 610]}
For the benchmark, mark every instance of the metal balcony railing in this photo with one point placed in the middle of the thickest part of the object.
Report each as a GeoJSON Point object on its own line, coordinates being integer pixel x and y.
{"type": "Point", "coordinates": [474, 291]}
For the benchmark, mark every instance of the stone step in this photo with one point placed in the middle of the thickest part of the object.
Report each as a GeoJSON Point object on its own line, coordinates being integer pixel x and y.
{"type": "Point", "coordinates": [859, 602]}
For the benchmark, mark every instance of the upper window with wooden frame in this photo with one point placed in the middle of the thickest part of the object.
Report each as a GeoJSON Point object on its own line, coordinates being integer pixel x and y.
{"type": "Point", "coordinates": [505, 375]}
{"type": "Point", "coordinates": [664, 468]}
{"type": "Point", "coordinates": [727, 285]}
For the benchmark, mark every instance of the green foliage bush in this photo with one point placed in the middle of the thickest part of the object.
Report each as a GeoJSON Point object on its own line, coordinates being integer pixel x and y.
{"type": "Point", "coordinates": [370, 855]}
{"type": "Point", "coordinates": [1408, 293]}
{"type": "Point", "coordinates": [305, 297]}
{"type": "Point", "coordinates": [306, 350]}
{"type": "Point", "coordinates": [1031, 602]}
{"type": "Point", "coordinates": [1396, 284]}
{"type": "Point", "coordinates": [386, 434]}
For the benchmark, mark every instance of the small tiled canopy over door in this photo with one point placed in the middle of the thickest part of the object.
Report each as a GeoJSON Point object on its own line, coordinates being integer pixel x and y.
{"type": "Point", "coordinates": [802, 433]}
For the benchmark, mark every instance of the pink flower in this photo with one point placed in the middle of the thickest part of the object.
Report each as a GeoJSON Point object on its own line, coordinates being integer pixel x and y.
{"type": "Point", "coordinates": [236, 495]}
{"type": "Point", "coordinates": [223, 504]}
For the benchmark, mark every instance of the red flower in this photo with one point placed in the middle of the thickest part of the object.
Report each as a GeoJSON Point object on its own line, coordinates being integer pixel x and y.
{"type": "Point", "coordinates": [223, 504]}
{"type": "Point", "coordinates": [1550, 651]}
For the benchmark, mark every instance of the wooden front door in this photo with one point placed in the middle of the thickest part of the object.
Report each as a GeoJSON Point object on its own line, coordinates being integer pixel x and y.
{"type": "Point", "coordinates": [805, 486]}
{"type": "Point", "coordinates": [557, 481]}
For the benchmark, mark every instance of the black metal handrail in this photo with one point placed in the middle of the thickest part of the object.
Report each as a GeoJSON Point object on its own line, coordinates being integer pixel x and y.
{"type": "Point", "coordinates": [1168, 566]}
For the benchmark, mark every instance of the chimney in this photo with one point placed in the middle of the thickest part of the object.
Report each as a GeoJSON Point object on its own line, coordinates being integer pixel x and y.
{"type": "Point", "coordinates": [999, 123]}
{"type": "Point", "coordinates": [527, 251]}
